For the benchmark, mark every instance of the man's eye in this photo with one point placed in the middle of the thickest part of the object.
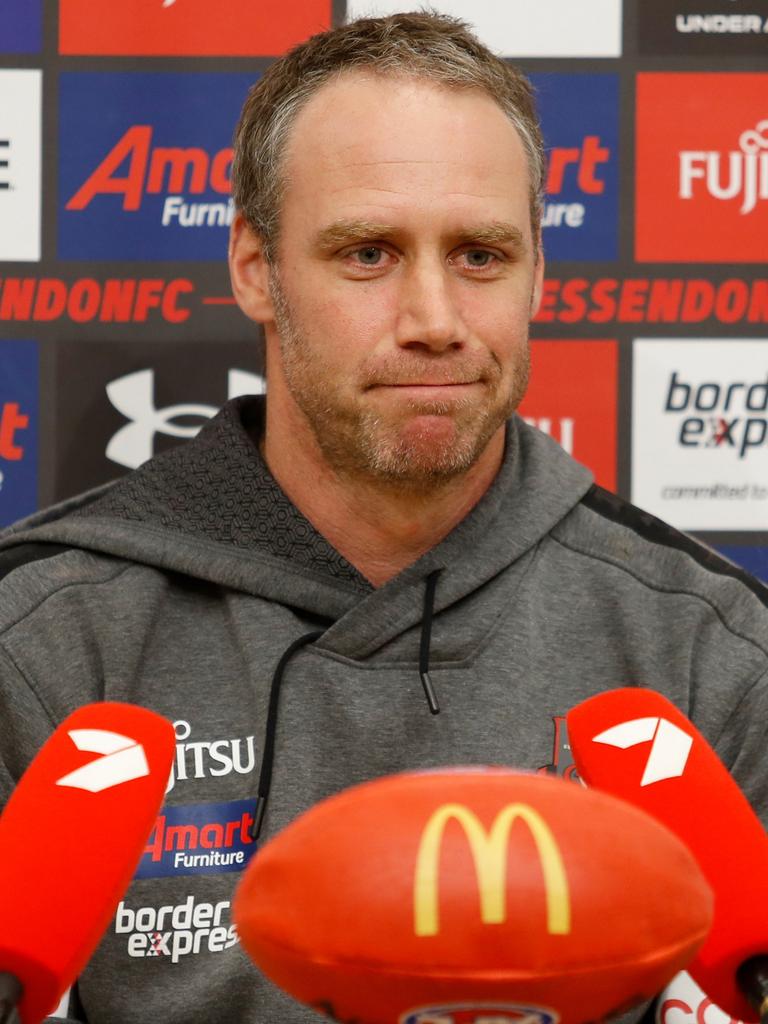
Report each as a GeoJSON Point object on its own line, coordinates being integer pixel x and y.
{"type": "Point", "coordinates": [478, 257]}
{"type": "Point", "coordinates": [370, 255]}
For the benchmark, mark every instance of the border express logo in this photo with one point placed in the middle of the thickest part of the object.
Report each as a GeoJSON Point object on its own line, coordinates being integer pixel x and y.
{"type": "Point", "coordinates": [702, 168]}
{"type": "Point", "coordinates": [582, 419]}
{"type": "Point", "coordinates": [580, 119]}
{"type": "Point", "coordinates": [186, 929]}
{"type": "Point", "coordinates": [237, 28]}
{"type": "Point", "coordinates": [199, 839]}
{"type": "Point", "coordinates": [145, 167]}
{"type": "Point", "coordinates": [18, 429]}
{"type": "Point", "coordinates": [700, 432]}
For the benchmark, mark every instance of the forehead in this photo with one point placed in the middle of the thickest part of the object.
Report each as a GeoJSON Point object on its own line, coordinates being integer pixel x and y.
{"type": "Point", "coordinates": [370, 140]}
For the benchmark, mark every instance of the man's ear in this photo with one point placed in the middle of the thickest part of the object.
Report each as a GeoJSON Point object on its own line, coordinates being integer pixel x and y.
{"type": "Point", "coordinates": [249, 272]}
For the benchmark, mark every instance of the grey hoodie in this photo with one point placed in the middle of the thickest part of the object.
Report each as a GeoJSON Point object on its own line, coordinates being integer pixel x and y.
{"type": "Point", "coordinates": [181, 586]}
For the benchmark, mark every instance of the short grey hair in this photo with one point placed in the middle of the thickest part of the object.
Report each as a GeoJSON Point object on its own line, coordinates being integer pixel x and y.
{"type": "Point", "coordinates": [427, 46]}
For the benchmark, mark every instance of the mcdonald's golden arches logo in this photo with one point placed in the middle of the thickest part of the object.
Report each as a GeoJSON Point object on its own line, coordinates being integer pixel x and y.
{"type": "Point", "coordinates": [489, 853]}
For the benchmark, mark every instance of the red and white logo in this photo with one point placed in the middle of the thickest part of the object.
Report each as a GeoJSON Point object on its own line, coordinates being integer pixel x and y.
{"type": "Point", "coordinates": [670, 746]}
{"type": "Point", "coordinates": [122, 760]}
{"type": "Point", "coordinates": [189, 27]}
{"type": "Point", "coordinates": [702, 167]}
{"type": "Point", "coordinates": [572, 396]}
{"type": "Point", "coordinates": [684, 1002]}
{"type": "Point", "coordinates": [739, 175]}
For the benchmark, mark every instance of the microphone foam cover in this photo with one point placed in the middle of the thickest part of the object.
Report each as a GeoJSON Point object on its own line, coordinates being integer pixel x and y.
{"type": "Point", "coordinates": [71, 836]}
{"type": "Point", "coordinates": [635, 744]}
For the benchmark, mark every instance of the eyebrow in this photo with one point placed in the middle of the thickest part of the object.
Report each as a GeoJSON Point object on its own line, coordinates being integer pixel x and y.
{"type": "Point", "coordinates": [344, 232]}
{"type": "Point", "coordinates": [496, 233]}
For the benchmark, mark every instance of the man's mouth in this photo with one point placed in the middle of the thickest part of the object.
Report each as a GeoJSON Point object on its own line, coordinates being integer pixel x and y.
{"type": "Point", "coordinates": [427, 384]}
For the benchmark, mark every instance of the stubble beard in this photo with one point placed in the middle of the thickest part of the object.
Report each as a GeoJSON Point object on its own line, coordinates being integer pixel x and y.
{"type": "Point", "coordinates": [357, 442]}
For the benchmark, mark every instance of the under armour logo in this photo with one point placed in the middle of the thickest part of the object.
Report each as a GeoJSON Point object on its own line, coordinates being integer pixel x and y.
{"type": "Point", "coordinates": [134, 397]}
{"type": "Point", "coordinates": [122, 760]}
{"type": "Point", "coordinates": [670, 746]}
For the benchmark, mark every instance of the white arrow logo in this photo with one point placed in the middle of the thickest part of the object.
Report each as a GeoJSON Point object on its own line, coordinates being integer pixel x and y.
{"type": "Point", "coordinates": [669, 749]}
{"type": "Point", "coordinates": [123, 760]}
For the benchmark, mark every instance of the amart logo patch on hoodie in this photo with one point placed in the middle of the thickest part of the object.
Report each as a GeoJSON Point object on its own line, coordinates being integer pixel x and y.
{"type": "Point", "coordinates": [199, 839]}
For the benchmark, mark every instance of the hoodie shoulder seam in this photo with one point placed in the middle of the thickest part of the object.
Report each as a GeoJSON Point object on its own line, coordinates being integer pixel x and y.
{"type": "Point", "coordinates": [760, 678]}
{"type": "Point", "coordinates": [661, 588]}
{"type": "Point", "coordinates": [4, 652]}
{"type": "Point", "coordinates": [655, 531]}
{"type": "Point", "coordinates": [65, 585]}
{"type": "Point", "coordinates": [24, 554]}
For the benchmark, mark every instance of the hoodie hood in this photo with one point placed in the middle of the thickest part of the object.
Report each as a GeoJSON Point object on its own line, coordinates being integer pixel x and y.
{"type": "Point", "coordinates": [211, 510]}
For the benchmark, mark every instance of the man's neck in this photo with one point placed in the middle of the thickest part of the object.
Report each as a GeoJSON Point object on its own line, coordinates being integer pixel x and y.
{"type": "Point", "coordinates": [378, 528]}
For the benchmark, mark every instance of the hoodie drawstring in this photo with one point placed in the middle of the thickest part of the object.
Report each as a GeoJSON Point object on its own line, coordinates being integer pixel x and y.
{"type": "Point", "coordinates": [426, 634]}
{"type": "Point", "coordinates": [270, 733]}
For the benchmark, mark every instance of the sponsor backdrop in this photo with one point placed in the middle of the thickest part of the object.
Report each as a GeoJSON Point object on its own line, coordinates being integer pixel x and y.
{"type": "Point", "coordinates": [118, 332]}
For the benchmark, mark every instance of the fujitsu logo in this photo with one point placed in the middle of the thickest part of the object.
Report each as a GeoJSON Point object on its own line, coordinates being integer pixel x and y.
{"type": "Point", "coordinates": [201, 759]}
{"type": "Point", "coordinates": [133, 396]}
{"type": "Point", "coordinates": [670, 746]}
{"type": "Point", "coordinates": [122, 760]}
{"type": "Point", "coordinates": [740, 173]}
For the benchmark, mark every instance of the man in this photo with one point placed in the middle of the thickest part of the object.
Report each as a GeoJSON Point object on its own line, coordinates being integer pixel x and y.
{"type": "Point", "coordinates": [385, 538]}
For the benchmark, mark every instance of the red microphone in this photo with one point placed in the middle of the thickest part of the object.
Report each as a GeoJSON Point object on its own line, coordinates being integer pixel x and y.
{"type": "Point", "coordinates": [635, 744]}
{"type": "Point", "coordinates": [71, 836]}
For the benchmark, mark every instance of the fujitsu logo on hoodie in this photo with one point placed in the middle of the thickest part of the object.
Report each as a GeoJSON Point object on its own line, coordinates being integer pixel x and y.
{"type": "Point", "coordinates": [200, 759]}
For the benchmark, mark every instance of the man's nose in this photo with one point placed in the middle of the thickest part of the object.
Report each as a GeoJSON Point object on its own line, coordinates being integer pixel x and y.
{"type": "Point", "coordinates": [427, 315]}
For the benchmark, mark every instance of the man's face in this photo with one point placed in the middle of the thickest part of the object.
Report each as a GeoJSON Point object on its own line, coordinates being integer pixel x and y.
{"type": "Point", "coordinates": [405, 278]}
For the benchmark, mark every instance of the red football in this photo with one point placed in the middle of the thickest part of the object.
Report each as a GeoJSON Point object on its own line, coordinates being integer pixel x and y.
{"type": "Point", "coordinates": [469, 894]}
